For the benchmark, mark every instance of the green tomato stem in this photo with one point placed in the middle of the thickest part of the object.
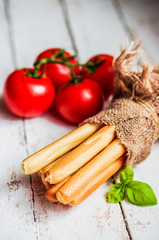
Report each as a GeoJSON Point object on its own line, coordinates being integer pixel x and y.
{"type": "Point", "coordinates": [90, 66]}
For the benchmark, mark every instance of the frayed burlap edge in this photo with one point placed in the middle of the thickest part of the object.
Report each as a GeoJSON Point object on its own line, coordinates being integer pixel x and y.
{"type": "Point", "coordinates": [136, 128]}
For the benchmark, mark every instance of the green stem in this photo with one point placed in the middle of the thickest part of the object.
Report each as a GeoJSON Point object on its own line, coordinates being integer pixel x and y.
{"type": "Point", "coordinates": [90, 66]}
{"type": "Point", "coordinates": [64, 61]}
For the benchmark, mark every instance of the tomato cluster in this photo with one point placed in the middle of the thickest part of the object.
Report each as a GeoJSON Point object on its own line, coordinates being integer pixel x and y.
{"type": "Point", "coordinates": [78, 90]}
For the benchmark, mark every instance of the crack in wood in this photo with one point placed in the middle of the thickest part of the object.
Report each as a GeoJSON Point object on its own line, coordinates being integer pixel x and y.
{"type": "Point", "coordinates": [33, 207]}
{"type": "Point", "coordinates": [121, 16]}
{"type": "Point", "coordinates": [14, 60]}
{"type": "Point", "coordinates": [131, 35]}
{"type": "Point", "coordinates": [118, 9]}
{"type": "Point", "coordinates": [10, 32]}
{"type": "Point", "coordinates": [31, 184]}
{"type": "Point", "coordinates": [123, 214]}
{"type": "Point", "coordinates": [64, 8]}
{"type": "Point", "coordinates": [125, 221]}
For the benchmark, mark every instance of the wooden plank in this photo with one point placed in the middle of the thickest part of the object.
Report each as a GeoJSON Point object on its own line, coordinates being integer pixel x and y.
{"type": "Point", "coordinates": [38, 34]}
{"type": "Point", "coordinates": [140, 221]}
{"type": "Point", "coordinates": [96, 28]}
{"type": "Point", "coordinates": [32, 35]}
{"type": "Point", "coordinates": [36, 28]}
{"type": "Point", "coordinates": [143, 222]}
{"type": "Point", "coordinates": [142, 19]}
{"type": "Point", "coordinates": [94, 35]}
{"type": "Point", "coordinates": [57, 221]}
{"type": "Point", "coordinates": [16, 196]}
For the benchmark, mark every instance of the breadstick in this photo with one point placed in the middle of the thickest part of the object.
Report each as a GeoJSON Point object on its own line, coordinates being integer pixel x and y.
{"type": "Point", "coordinates": [97, 181]}
{"type": "Point", "coordinates": [51, 192]}
{"type": "Point", "coordinates": [43, 171]}
{"type": "Point", "coordinates": [56, 149]}
{"type": "Point", "coordinates": [81, 155]}
{"type": "Point", "coordinates": [79, 180]}
{"type": "Point", "coordinates": [43, 180]}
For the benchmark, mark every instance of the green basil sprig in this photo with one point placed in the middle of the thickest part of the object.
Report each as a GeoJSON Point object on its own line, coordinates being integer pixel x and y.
{"type": "Point", "coordinates": [138, 193]}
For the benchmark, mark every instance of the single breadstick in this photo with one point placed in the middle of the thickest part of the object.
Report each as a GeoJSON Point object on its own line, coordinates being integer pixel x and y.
{"type": "Point", "coordinates": [80, 179]}
{"type": "Point", "coordinates": [81, 155]}
{"type": "Point", "coordinates": [43, 171]}
{"type": "Point", "coordinates": [51, 192]}
{"type": "Point", "coordinates": [43, 176]}
{"type": "Point", "coordinates": [97, 181]}
{"type": "Point", "coordinates": [39, 173]}
{"type": "Point", "coordinates": [56, 149]}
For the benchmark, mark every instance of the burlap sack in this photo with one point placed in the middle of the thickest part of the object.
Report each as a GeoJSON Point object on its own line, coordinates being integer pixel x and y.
{"type": "Point", "coordinates": [135, 109]}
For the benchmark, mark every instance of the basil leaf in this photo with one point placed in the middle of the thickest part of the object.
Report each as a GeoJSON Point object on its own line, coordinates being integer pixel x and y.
{"type": "Point", "coordinates": [126, 175]}
{"type": "Point", "coordinates": [116, 193]}
{"type": "Point", "coordinates": [140, 194]}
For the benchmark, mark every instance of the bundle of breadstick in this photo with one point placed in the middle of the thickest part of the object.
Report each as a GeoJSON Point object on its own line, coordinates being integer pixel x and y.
{"type": "Point", "coordinates": [74, 166]}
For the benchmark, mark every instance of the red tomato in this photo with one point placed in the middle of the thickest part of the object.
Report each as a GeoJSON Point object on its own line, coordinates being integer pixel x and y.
{"type": "Point", "coordinates": [103, 74]}
{"type": "Point", "coordinates": [76, 103]}
{"type": "Point", "coordinates": [59, 74]}
{"type": "Point", "coordinates": [27, 96]}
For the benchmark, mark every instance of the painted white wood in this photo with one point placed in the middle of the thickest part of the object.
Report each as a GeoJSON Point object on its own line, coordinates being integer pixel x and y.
{"type": "Point", "coordinates": [93, 219]}
{"type": "Point", "coordinates": [142, 18]}
{"type": "Point", "coordinates": [16, 220]}
{"type": "Point", "coordinates": [144, 222]}
{"type": "Point", "coordinates": [38, 25]}
{"type": "Point", "coordinates": [96, 27]}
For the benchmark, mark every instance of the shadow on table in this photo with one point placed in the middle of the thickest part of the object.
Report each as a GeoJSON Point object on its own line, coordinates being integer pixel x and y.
{"type": "Point", "coordinates": [51, 115]}
{"type": "Point", "coordinates": [41, 201]}
{"type": "Point", "coordinates": [38, 194]}
{"type": "Point", "coordinates": [4, 112]}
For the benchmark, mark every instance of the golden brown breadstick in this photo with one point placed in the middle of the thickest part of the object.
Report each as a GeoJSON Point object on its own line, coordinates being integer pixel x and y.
{"type": "Point", "coordinates": [79, 180]}
{"type": "Point", "coordinates": [97, 181]}
{"type": "Point", "coordinates": [81, 155]}
{"type": "Point", "coordinates": [43, 180]}
{"type": "Point", "coordinates": [51, 192]}
{"type": "Point", "coordinates": [56, 149]}
{"type": "Point", "coordinates": [45, 169]}
{"type": "Point", "coordinates": [42, 172]}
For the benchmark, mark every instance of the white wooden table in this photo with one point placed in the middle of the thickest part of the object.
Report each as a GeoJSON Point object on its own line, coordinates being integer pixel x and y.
{"type": "Point", "coordinates": [85, 27]}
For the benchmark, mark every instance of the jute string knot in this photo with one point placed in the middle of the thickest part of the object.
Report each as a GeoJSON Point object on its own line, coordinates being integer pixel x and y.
{"type": "Point", "coordinates": [135, 108]}
{"type": "Point", "coordinates": [150, 110]}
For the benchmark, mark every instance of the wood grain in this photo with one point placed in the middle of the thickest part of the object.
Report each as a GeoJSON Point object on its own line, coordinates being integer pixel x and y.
{"type": "Point", "coordinates": [16, 204]}
{"type": "Point", "coordinates": [86, 27]}
{"type": "Point", "coordinates": [143, 19]}
{"type": "Point", "coordinates": [44, 130]}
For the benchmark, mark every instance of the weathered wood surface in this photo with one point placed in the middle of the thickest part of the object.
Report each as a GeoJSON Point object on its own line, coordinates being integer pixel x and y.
{"type": "Point", "coordinates": [142, 20]}
{"type": "Point", "coordinates": [15, 195]}
{"type": "Point", "coordinates": [85, 27]}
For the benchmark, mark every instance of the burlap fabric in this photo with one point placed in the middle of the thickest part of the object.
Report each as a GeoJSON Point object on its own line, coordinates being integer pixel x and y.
{"type": "Point", "coordinates": [136, 125]}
